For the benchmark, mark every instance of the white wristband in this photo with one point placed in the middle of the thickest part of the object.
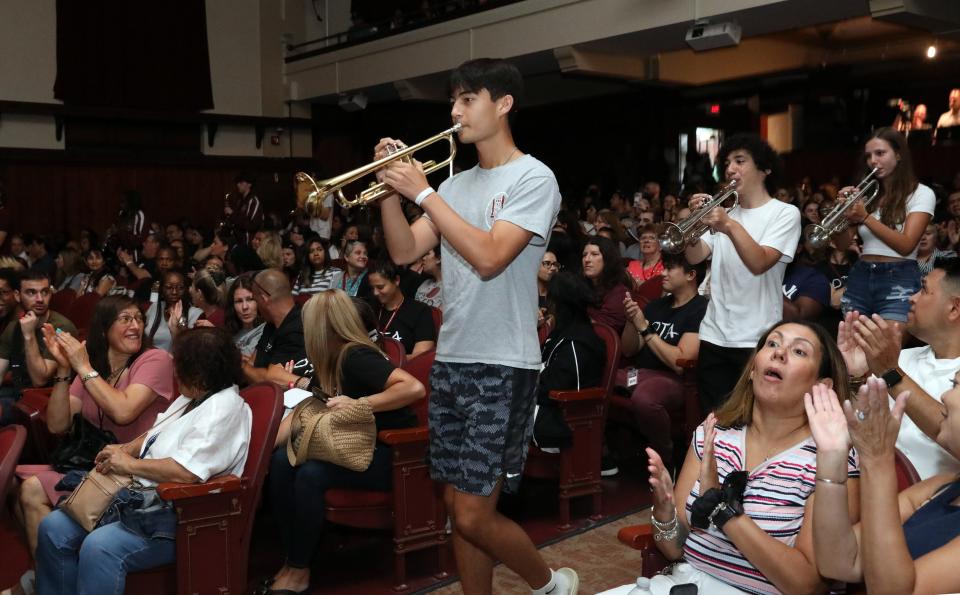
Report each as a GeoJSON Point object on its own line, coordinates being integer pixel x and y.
{"type": "Point", "coordinates": [423, 195]}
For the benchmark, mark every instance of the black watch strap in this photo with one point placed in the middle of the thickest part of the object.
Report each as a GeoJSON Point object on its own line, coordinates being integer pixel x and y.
{"type": "Point", "coordinates": [646, 332]}
{"type": "Point", "coordinates": [892, 377]}
{"type": "Point", "coordinates": [724, 512]}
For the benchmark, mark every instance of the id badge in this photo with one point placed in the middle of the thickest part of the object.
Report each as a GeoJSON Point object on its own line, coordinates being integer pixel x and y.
{"type": "Point", "coordinates": [632, 375]}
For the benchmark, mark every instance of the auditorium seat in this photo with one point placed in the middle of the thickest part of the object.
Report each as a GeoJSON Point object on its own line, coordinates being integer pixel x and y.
{"type": "Point", "coordinates": [81, 311]}
{"type": "Point", "coordinates": [216, 517]}
{"type": "Point", "coordinates": [63, 300]}
{"type": "Point", "coordinates": [394, 350]}
{"type": "Point", "coordinates": [578, 467]}
{"type": "Point", "coordinates": [413, 510]}
{"type": "Point", "coordinates": [12, 440]}
{"type": "Point", "coordinates": [437, 314]}
{"type": "Point", "coordinates": [648, 291]}
{"type": "Point", "coordinates": [30, 412]}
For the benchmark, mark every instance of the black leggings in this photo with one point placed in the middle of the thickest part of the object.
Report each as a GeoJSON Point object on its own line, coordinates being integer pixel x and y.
{"type": "Point", "coordinates": [297, 494]}
{"type": "Point", "coordinates": [718, 369]}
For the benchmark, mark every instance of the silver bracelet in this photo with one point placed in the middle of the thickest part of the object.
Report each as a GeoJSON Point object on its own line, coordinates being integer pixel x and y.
{"type": "Point", "coordinates": [665, 531]}
{"type": "Point", "coordinates": [831, 481]}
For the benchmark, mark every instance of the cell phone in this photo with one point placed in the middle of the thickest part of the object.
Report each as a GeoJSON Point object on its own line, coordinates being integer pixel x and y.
{"type": "Point", "coordinates": [686, 589]}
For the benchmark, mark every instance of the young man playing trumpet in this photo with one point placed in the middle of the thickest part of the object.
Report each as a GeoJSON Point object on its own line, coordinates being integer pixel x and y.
{"type": "Point", "coordinates": [492, 222]}
{"type": "Point", "coordinates": [750, 247]}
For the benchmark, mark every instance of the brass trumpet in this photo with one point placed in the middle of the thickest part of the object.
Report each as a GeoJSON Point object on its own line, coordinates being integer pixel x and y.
{"type": "Point", "coordinates": [677, 236]}
{"type": "Point", "coordinates": [310, 193]}
{"type": "Point", "coordinates": [834, 222]}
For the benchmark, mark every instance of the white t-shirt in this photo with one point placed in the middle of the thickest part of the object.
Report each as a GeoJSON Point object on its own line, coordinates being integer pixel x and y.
{"type": "Point", "coordinates": [921, 201]}
{"type": "Point", "coordinates": [211, 439]}
{"type": "Point", "coordinates": [743, 305]}
{"type": "Point", "coordinates": [934, 376]}
{"type": "Point", "coordinates": [322, 226]}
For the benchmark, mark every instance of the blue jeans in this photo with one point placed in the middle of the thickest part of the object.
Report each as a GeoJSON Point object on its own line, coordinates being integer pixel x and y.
{"type": "Point", "coordinates": [882, 288]}
{"type": "Point", "coordinates": [70, 560]}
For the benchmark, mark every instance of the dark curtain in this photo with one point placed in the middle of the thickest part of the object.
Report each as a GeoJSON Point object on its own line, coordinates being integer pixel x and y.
{"type": "Point", "coordinates": [133, 54]}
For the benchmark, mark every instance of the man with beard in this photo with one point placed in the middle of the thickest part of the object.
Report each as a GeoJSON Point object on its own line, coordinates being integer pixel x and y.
{"type": "Point", "coordinates": [22, 349]}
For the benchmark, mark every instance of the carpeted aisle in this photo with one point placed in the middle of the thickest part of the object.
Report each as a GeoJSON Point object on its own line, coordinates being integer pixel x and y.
{"type": "Point", "coordinates": [601, 561]}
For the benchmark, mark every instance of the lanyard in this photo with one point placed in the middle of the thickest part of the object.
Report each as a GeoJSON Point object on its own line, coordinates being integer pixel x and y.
{"type": "Point", "coordinates": [386, 327]}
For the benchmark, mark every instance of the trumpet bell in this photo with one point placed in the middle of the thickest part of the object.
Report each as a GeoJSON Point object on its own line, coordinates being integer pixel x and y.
{"type": "Point", "coordinates": [672, 240]}
{"type": "Point", "coordinates": [309, 197]}
{"type": "Point", "coordinates": [816, 235]}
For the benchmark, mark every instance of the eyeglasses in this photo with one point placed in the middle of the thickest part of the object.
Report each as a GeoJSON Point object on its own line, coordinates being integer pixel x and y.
{"type": "Point", "coordinates": [550, 264]}
{"type": "Point", "coordinates": [173, 287]}
{"type": "Point", "coordinates": [260, 287]}
{"type": "Point", "coordinates": [128, 319]}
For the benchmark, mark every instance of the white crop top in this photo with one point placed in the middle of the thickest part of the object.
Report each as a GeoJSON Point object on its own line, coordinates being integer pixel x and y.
{"type": "Point", "coordinates": [921, 201]}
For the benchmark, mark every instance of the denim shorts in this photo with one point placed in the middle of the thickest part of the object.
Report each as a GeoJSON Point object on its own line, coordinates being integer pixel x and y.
{"type": "Point", "coordinates": [882, 288]}
{"type": "Point", "coordinates": [481, 422]}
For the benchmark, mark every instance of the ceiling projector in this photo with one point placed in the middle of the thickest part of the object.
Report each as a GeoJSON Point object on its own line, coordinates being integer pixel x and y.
{"type": "Point", "coordinates": [704, 36]}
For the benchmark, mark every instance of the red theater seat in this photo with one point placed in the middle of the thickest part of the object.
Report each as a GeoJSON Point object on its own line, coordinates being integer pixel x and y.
{"type": "Point", "coordinates": [12, 439]}
{"type": "Point", "coordinates": [414, 508]}
{"type": "Point", "coordinates": [216, 517]}
{"type": "Point", "coordinates": [578, 467]}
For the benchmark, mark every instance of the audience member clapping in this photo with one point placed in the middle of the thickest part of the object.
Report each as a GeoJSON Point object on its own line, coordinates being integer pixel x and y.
{"type": "Point", "coordinates": [171, 313]}
{"type": "Point", "coordinates": [121, 384]}
{"type": "Point", "coordinates": [740, 512]}
{"type": "Point", "coordinates": [906, 543]}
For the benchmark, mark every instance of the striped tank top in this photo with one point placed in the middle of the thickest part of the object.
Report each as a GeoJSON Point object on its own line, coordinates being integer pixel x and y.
{"type": "Point", "coordinates": [776, 493]}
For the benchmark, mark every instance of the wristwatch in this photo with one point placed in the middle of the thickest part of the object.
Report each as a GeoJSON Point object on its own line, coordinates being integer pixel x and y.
{"type": "Point", "coordinates": [645, 332]}
{"type": "Point", "coordinates": [89, 376]}
{"type": "Point", "coordinates": [893, 377]}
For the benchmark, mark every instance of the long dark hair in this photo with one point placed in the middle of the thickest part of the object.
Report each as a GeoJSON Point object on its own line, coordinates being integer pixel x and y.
{"type": "Point", "coordinates": [104, 316]}
{"type": "Point", "coordinates": [306, 269]}
{"type": "Point", "coordinates": [614, 272]}
{"type": "Point", "coordinates": [902, 182]}
{"type": "Point", "coordinates": [231, 322]}
{"type": "Point", "coordinates": [568, 297]}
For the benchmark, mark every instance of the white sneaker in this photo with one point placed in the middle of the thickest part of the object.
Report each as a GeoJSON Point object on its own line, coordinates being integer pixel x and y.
{"type": "Point", "coordinates": [569, 581]}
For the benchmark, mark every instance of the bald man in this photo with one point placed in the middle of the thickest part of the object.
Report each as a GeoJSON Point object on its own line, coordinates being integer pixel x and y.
{"type": "Point", "coordinates": [282, 338]}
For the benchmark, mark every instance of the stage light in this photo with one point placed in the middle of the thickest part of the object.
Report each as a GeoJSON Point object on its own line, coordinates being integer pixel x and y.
{"type": "Point", "coordinates": [932, 51]}
{"type": "Point", "coordinates": [715, 108]}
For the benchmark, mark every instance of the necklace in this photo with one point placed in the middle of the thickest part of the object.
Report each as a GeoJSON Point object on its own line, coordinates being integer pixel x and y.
{"type": "Point", "coordinates": [510, 157]}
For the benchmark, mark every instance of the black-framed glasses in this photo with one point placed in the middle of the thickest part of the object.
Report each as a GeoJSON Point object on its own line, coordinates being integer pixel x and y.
{"type": "Point", "coordinates": [550, 264]}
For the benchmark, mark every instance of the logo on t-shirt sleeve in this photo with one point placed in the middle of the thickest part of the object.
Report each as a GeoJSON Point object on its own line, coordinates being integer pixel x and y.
{"type": "Point", "coordinates": [494, 208]}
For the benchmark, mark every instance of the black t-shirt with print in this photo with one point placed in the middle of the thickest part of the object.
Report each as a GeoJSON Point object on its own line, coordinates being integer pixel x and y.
{"type": "Point", "coordinates": [413, 323]}
{"type": "Point", "coordinates": [364, 373]}
{"type": "Point", "coordinates": [280, 345]}
{"type": "Point", "coordinates": [670, 323]}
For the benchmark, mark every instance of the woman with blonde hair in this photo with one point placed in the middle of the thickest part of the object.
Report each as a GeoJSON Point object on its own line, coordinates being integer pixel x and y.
{"type": "Point", "coordinates": [740, 511]}
{"type": "Point", "coordinates": [347, 366]}
{"type": "Point", "coordinates": [270, 251]}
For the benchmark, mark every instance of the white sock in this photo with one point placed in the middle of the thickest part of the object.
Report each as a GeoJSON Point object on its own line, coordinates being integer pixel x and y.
{"type": "Point", "coordinates": [557, 585]}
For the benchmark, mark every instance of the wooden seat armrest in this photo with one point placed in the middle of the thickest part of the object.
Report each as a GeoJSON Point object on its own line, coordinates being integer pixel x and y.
{"type": "Point", "coordinates": [686, 364]}
{"type": "Point", "coordinates": [586, 394]}
{"type": "Point", "coordinates": [405, 436]}
{"type": "Point", "coordinates": [639, 537]}
{"type": "Point", "coordinates": [172, 491]}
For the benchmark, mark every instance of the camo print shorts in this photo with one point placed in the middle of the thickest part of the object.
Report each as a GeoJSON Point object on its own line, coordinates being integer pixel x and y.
{"type": "Point", "coordinates": [481, 421]}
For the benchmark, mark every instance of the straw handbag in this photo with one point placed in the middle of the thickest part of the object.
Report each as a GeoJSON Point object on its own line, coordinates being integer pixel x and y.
{"type": "Point", "coordinates": [344, 437]}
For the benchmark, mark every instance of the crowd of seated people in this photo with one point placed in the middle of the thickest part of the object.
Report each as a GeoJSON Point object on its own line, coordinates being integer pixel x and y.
{"type": "Point", "coordinates": [264, 288]}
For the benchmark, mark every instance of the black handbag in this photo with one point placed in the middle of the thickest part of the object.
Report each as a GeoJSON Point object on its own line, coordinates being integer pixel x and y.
{"type": "Point", "coordinates": [79, 450]}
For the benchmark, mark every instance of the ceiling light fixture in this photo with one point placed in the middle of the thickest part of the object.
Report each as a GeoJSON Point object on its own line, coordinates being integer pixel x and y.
{"type": "Point", "coordinates": [932, 51]}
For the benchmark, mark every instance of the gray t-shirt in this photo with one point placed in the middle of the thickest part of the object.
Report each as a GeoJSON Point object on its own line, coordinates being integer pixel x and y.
{"type": "Point", "coordinates": [494, 321]}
